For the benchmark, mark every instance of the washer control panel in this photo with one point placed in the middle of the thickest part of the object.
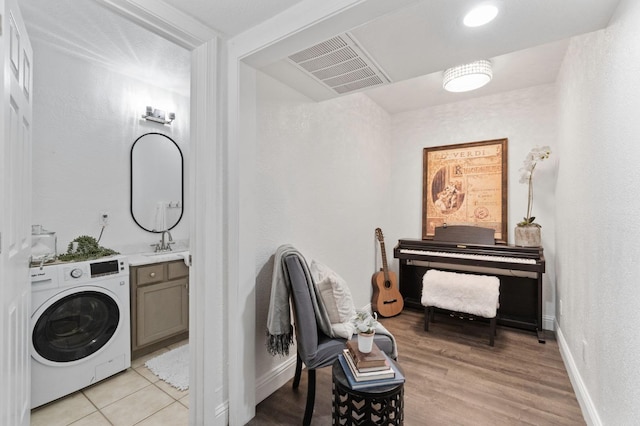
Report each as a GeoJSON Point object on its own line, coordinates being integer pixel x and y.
{"type": "Point", "coordinates": [92, 269]}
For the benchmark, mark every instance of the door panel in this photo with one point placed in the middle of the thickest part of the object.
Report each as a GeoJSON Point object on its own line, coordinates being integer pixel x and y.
{"type": "Point", "coordinates": [15, 216]}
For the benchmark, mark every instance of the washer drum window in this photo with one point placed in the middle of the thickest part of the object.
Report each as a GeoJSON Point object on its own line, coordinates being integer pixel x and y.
{"type": "Point", "coordinates": [76, 326]}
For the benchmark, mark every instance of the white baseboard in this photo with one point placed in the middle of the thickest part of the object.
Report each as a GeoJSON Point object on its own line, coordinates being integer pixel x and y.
{"type": "Point", "coordinates": [589, 411]}
{"type": "Point", "coordinates": [222, 413]}
{"type": "Point", "coordinates": [548, 322]}
{"type": "Point", "coordinates": [275, 379]}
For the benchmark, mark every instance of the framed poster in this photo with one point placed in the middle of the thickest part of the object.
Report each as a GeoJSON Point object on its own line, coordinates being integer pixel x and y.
{"type": "Point", "coordinates": [465, 184]}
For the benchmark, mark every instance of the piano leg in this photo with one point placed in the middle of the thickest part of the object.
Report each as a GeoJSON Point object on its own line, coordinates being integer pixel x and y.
{"type": "Point", "coordinates": [539, 329]}
{"type": "Point", "coordinates": [541, 336]}
{"type": "Point", "coordinates": [492, 330]}
{"type": "Point", "coordinates": [429, 316]}
{"type": "Point", "coordinates": [426, 318]}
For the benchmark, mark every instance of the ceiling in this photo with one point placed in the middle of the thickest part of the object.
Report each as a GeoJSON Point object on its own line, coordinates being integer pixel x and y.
{"type": "Point", "coordinates": [412, 46]}
{"type": "Point", "coordinates": [90, 31]}
{"type": "Point", "coordinates": [231, 17]}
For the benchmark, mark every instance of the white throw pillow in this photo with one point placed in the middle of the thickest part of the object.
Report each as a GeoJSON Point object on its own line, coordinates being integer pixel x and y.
{"type": "Point", "coordinates": [336, 297]}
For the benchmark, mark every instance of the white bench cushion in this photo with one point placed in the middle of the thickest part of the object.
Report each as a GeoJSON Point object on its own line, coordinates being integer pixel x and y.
{"type": "Point", "coordinates": [468, 293]}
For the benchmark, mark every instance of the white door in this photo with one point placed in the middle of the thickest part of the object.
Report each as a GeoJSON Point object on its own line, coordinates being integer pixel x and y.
{"type": "Point", "coordinates": [15, 216]}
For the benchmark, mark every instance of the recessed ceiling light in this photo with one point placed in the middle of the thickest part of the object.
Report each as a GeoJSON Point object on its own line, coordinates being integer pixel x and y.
{"type": "Point", "coordinates": [480, 15]}
{"type": "Point", "coordinates": [467, 77]}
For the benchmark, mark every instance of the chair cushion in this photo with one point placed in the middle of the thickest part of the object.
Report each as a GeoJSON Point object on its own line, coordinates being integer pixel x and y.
{"type": "Point", "coordinates": [336, 297]}
{"type": "Point", "coordinates": [315, 348]}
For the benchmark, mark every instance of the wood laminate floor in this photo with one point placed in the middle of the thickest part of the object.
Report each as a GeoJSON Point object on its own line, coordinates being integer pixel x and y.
{"type": "Point", "coordinates": [455, 378]}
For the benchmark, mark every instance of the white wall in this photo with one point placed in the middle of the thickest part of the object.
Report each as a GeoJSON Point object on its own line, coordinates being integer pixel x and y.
{"type": "Point", "coordinates": [86, 118]}
{"type": "Point", "coordinates": [597, 217]}
{"type": "Point", "coordinates": [323, 170]}
{"type": "Point", "coordinates": [526, 117]}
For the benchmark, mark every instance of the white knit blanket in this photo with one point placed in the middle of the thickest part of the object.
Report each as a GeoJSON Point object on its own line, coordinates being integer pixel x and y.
{"type": "Point", "coordinates": [468, 293]}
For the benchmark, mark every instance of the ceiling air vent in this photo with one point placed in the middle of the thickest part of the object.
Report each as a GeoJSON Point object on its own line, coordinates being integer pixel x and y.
{"type": "Point", "coordinates": [340, 64]}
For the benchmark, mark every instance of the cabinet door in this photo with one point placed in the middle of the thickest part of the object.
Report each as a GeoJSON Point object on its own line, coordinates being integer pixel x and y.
{"type": "Point", "coordinates": [163, 310]}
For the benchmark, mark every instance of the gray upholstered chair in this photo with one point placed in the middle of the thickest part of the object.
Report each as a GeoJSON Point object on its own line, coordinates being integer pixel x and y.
{"type": "Point", "coordinates": [315, 349]}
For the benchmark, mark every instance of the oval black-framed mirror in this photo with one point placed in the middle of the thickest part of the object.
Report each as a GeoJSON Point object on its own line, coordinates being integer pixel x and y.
{"type": "Point", "coordinates": [157, 182]}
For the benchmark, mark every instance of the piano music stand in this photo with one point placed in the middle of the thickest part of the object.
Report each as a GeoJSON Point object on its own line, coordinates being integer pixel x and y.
{"type": "Point", "coordinates": [465, 234]}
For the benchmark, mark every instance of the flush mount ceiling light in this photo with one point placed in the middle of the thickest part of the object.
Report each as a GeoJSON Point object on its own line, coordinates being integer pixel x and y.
{"type": "Point", "coordinates": [480, 15]}
{"type": "Point", "coordinates": [467, 77]}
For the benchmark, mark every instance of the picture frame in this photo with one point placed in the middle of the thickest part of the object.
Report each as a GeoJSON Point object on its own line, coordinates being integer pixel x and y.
{"type": "Point", "coordinates": [466, 184]}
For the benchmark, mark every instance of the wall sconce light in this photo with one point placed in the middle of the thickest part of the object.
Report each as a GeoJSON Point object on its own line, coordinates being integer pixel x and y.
{"type": "Point", "coordinates": [158, 115]}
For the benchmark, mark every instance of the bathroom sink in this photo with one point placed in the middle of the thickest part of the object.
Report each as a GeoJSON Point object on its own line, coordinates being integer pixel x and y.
{"type": "Point", "coordinates": [164, 253]}
{"type": "Point", "coordinates": [167, 255]}
{"type": "Point", "coordinates": [149, 257]}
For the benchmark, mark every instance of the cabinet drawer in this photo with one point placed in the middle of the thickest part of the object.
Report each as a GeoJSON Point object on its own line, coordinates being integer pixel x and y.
{"type": "Point", "coordinates": [150, 274]}
{"type": "Point", "coordinates": [177, 270]}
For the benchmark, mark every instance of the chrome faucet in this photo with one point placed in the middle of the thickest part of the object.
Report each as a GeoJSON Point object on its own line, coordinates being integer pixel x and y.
{"type": "Point", "coordinates": [164, 244]}
{"type": "Point", "coordinates": [167, 245]}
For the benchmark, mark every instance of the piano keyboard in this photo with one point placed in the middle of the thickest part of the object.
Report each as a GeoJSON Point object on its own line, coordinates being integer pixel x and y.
{"type": "Point", "coordinates": [503, 259]}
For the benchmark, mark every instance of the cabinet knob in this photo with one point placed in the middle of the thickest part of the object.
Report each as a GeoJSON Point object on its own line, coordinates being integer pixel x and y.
{"type": "Point", "coordinates": [152, 274]}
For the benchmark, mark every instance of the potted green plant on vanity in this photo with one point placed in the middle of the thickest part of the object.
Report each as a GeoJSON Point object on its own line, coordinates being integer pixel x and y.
{"type": "Point", "coordinates": [527, 233]}
{"type": "Point", "coordinates": [365, 325]}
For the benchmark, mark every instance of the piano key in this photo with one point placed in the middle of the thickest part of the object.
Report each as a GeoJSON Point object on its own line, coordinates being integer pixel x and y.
{"type": "Point", "coordinates": [473, 268]}
{"type": "Point", "coordinates": [458, 255]}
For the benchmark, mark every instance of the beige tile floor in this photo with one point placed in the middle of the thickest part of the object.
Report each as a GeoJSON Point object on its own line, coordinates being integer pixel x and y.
{"type": "Point", "coordinates": [133, 397]}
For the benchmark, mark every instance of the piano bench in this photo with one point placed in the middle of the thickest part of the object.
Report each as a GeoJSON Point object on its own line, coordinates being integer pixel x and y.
{"type": "Point", "coordinates": [471, 294]}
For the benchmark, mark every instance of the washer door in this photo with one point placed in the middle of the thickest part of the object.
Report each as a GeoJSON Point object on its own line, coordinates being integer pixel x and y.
{"type": "Point", "coordinates": [75, 326]}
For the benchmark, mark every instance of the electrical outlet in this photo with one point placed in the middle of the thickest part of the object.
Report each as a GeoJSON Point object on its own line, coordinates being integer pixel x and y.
{"type": "Point", "coordinates": [561, 310]}
{"type": "Point", "coordinates": [584, 350]}
{"type": "Point", "coordinates": [104, 218]}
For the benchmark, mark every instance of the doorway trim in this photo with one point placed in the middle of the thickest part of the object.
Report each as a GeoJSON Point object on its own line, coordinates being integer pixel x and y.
{"type": "Point", "coordinates": [221, 182]}
{"type": "Point", "coordinates": [302, 25]}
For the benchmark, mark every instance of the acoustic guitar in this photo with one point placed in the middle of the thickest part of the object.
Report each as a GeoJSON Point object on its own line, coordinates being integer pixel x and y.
{"type": "Point", "coordinates": [386, 300]}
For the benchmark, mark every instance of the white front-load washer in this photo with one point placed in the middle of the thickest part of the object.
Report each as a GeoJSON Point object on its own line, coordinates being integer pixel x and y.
{"type": "Point", "coordinates": [80, 325]}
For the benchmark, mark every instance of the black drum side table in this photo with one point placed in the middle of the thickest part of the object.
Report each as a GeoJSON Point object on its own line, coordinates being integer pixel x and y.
{"type": "Point", "coordinates": [381, 405]}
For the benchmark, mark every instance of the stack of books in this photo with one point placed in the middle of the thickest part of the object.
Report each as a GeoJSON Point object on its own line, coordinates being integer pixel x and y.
{"type": "Point", "coordinates": [370, 369]}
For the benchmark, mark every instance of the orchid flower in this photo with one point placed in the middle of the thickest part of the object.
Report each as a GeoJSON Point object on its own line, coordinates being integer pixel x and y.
{"type": "Point", "coordinates": [536, 155]}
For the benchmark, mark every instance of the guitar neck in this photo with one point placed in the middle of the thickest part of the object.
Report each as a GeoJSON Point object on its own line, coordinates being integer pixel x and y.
{"type": "Point", "coordinates": [385, 268]}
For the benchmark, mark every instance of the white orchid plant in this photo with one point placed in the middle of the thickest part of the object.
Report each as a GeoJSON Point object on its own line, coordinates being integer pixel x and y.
{"type": "Point", "coordinates": [532, 159]}
{"type": "Point", "coordinates": [364, 322]}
